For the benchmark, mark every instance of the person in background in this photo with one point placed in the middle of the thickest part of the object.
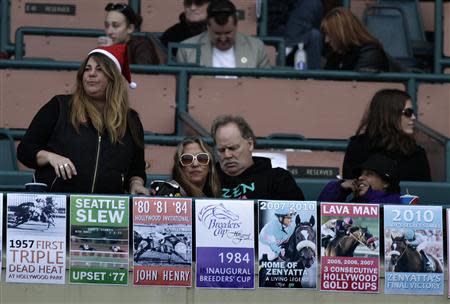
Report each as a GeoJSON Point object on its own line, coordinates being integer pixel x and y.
{"type": "Point", "coordinates": [388, 128]}
{"type": "Point", "coordinates": [377, 182]}
{"type": "Point", "coordinates": [221, 45]}
{"type": "Point", "coordinates": [242, 175]}
{"type": "Point", "coordinates": [193, 172]}
{"type": "Point", "coordinates": [298, 21]}
{"type": "Point", "coordinates": [353, 48]}
{"type": "Point", "coordinates": [90, 141]}
{"type": "Point", "coordinates": [120, 23]}
{"type": "Point", "coordinates": [192, 22]}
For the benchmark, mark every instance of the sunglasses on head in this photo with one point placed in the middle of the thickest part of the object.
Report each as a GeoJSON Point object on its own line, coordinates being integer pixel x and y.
{"type": "Point", "coordinates": [408, 112]}
{"type": "Point", "coordinates": [196, 2]}
{"type": "Point", "coordinates": [115, 6]}
{"type": "Point", "coordinates": [187, 159]}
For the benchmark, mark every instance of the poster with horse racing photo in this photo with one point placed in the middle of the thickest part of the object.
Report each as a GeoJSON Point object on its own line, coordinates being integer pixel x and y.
{"type": "Point", "coordinates": [287, 244]}
{"type": "Point", "coordinates": [1, 233]}
{"type": "Point", "coordinates": [162, 241]}
{"type": "Point", "coordinates": [350, 255]}
{"type": "Point", "coordinates": [448, 247]}
{"type": "Point", "coordinates": [414, 251]}
{"type": "Point", "coordinates": [36, 238]}
{"type": "Point", "coordinates": [99, 239]}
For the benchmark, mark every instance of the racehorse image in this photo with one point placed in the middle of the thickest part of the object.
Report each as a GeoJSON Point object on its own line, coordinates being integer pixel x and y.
{"type": "Point", "coordinates": [406, 259]}
{"type": "Point", "coordinates": [346, 243]}
{"type": "Point", "coordinates": [40, 211]}
{"type": "Point", "coordinates": [300, 248]}
{"type": "Point", "coordinates": [165, 245]}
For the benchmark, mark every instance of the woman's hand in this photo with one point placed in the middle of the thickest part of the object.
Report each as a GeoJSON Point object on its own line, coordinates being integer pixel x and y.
{"type": "Point", "coordinates": [137, 186]}
{"type": "Point", "coordinates": [64, 168]}
{"type": "Point", "coordinates": [349, 184]}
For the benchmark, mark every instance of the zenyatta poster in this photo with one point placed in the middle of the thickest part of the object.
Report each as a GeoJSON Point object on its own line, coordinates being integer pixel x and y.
{"type": "Point", "coordinates": [225, 243]}
{"type": "Point", "coordinates": [162, 238]}
{"type": "Point", "coordinates": [99, 239]}
{"type": "Point", "coordinates": [414, 251]}
{"type": "Point", "coordinates": [36, 238]}
{"type": "Point", "coordinates": [350, 251]}
{"type": "Point", "coordinates": [287, 244]}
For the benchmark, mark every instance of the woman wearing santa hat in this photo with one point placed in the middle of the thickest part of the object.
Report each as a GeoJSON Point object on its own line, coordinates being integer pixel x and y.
{"type": "Point", "coordinates": [90, 141]}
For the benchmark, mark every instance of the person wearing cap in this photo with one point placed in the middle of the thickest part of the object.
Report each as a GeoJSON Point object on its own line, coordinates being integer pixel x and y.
{"type": "Point", "coordinates": [221, 45]}
{"type": "Point", "coordinates": [90, 141]}
{"type": "Point", "coordinates": [193, 172]}
{"type": "Point", "coordinates": [387, 128]}
{"type": "Point", "coordinates": [276, 232]}
{"type": "Point", "coordinates": [377, 182]}
{"type": "Point", "coordinates": [242, 175]}
{"type": "Point", "coordinates": [192, 23]}
{"type": "Point", "coordinates": [334, 227]}
{"type": "Point", "coordinates": [120, 23]}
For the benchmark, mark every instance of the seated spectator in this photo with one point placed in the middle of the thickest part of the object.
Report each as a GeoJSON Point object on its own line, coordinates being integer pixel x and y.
{"type": "Point", "coordinates": [222, 46]}
{"type": "Point", "coordinates": [388, 128]}
{"type": "Point", "coordinates": [90, 141]}
{"type": "Point", "coordinates": [193, 172]}
{"type": "Point", "coordinates": [120, 22]}
{"type": "Point", "coordinates": [353, 48]}
{"type": "Point", "coordinates": [298, 21]}
{"type": "Point", "coordinates": [377, 182]}
{"type": "Point", "coordinates": [192, 22]}
{"type": "Point", "coordinates": [243, 176]}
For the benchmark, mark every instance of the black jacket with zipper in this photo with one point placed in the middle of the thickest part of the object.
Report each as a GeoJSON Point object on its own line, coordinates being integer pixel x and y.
{"type": "Point", "coordinates": [102, 167]}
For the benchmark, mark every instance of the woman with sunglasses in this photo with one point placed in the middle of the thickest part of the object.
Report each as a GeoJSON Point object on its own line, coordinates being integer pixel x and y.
{"type": "Point", "coordinates": [120, 22]}
{"type": "Point", "coordinates": [193, 172]}
{"type": "Point", "coordinates": [192, 22]}
{"type": "Point", "coordinates": [388, 128]}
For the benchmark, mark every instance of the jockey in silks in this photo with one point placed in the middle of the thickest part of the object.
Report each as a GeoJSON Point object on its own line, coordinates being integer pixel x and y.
{"type": "Point", "coordinates": [275, 233]}
{"type": "Point", "coordinates": [333, 228]}
{"type": "Point", "coordinates": [418, 242]}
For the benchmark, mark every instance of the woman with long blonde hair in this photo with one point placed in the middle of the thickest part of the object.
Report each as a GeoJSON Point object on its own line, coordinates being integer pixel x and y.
{"type": "Point", "coordinates": [193, 172]}
{"type": "Point", "coordinates": [91, 141]}
{"type": "Point", "coordinates": [353, 47]}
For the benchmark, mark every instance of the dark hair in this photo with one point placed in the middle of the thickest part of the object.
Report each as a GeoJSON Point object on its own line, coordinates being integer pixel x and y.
{"type": "Point", "coordinates": [221, 10]}
{"type": "Point", "coordinates": [243, 126]}
{"type": "Point", "coordinates": [127, 11]}
{"type": "Point", "coordinates": [382, 123]}
{"type": "Point", "coordinates": [385, 167]}
{"type": "Point", "coordinates": [196, 2]}
{"type": "Point", "coordinates": [212, 186]}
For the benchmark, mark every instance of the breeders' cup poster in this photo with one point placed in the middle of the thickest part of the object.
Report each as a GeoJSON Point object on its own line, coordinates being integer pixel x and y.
{"type": "Point", "coordinates": [162, 240]}
{"type": "Point", "coordinates": [350, 254]}
{"type": "Point", "coordinates": [414, 251]}
{"type": "Point", "coordinates": [287, 244]}
{"type": "Point", "coordinates": [36, 238]}
{"type": "Point", "coordinates": [225, 243]}
{"type": "Point", "coordinates": [99, 239]}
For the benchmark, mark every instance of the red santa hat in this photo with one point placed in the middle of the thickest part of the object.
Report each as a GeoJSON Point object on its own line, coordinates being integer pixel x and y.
{"type": "Point", "coordinates": [118, 54]}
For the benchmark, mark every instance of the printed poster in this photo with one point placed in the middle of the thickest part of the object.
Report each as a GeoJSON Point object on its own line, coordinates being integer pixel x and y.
{"type": "Point", "coordinates": [448, 247]}
{"type": "Point", "coordinates": [287, 244]}
{"type": "Point", "coordinates": [414, 251]}
{"type": "Point", "coordinates": [1, 233]}
{"type": "Point", "coordinates": [350, 254]}
{"type": "Point", "coordinates": [162, 239]}
{"type": "Point", "coordinates": [225, 243]}
{"type": "Point", "coordinates": [36, 238]}
{"type": "Point", "coordinates": [99, 239]}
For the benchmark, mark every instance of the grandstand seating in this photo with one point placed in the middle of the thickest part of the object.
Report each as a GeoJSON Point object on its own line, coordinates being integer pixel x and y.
{"type": "Point", "coordinates": [154, 99]}
{"type": "Point", "coordinates": [294, 106]}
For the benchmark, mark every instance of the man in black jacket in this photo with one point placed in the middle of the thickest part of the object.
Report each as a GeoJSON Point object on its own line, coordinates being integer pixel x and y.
{"type": "Point", "coordinates": [244, 176]}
